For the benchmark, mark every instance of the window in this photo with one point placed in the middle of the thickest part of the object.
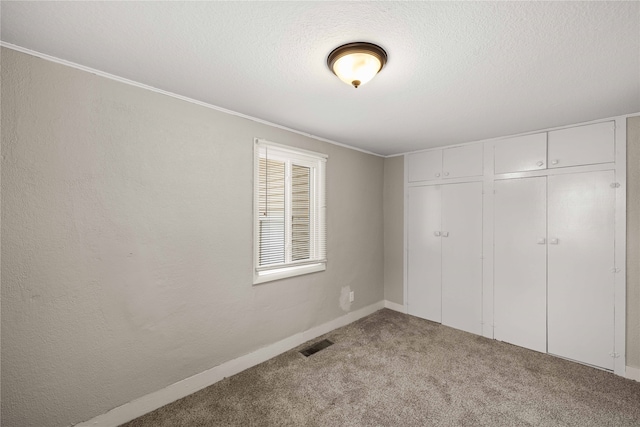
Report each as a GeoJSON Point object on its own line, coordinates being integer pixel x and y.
{"type": "Point", "coordinates": [289, 211]}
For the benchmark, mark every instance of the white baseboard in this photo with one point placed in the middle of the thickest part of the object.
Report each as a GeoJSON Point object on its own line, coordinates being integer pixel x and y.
{"type": "Point", "coordinates": [157, 399]}
{"type": "Point", "coordinates": [395, 306]}
{"type": "Point", "coordinates": [632, 373]}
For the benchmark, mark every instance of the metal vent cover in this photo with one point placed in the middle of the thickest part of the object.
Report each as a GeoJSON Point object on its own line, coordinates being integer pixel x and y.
{"type": "Point", "coordinates": [320, 345]}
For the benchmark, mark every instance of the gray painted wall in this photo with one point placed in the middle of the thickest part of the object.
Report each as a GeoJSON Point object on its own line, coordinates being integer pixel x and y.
{"type": "Point", "coordinates": [127, 242]}
{"type": "Point", "coordinates": [394, 229]}
{"type": "Point", "coordinates": [633, 242]}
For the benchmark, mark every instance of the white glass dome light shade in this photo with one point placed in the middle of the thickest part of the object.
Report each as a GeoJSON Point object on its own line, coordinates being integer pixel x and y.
{"type": "Point", "coordinates": [357, 63]}
{"type": "Point", "coordinates": [356, 68]}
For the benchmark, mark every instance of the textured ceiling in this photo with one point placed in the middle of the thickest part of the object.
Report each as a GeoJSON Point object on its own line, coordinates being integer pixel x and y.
{"type": "Point", "coordinates": [457, 71]}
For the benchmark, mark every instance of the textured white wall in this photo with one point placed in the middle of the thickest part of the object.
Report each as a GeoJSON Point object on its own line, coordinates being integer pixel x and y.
{"type": "Point", "coordinates": [394, 229]}
{"type": "Point", "coordinates": [127, 242]}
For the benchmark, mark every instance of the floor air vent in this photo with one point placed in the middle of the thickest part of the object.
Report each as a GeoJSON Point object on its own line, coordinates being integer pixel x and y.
{"type": "Point", "coordinates": [316, 348]}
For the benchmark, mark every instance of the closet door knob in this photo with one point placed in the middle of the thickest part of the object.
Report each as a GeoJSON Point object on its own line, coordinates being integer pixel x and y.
{"type": "Point", "coordinates": [542, 241]}
{"type": "Point", "coordinates": [436, 233]}
{"type": "Point", "coordinates": [445, 234]}
{"type": "Point", "coordinates": [554, 162]}
{"type": "Point", "coordinates": [540, 163]}
{"type": "Point", "coordinates": [446, 174]}
{"type": "Point", "coordinates": [553, 241]}
{"type": "Point", "coordinates": [438, 174]}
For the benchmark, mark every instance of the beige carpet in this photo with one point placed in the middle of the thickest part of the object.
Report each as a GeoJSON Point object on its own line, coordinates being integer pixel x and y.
{"type": "Point", "coordinates": [391, 369]}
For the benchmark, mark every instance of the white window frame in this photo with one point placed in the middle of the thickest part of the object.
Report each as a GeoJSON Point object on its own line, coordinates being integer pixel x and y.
{"type": "Point", "coordinates": [317, 163]}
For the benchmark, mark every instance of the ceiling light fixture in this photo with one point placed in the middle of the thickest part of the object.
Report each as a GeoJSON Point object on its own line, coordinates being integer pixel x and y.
{"type": "Point", "coordinates": [357, 63]}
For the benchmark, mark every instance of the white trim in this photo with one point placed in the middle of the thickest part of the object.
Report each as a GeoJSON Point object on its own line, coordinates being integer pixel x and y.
{"type": "Point", "coordinates": [487, 241]}
{"type": "Point", "coordinates": [447, 181]}
{"type": "Point", "coordinates": [287, 271]}
{"type": "Point", "coordinates": [405, 237]}
{"type": "Point", "coordinates": [157, 399]}
{"type": "Point", "coordinates": [290, 149]}
{"type": "Point", "coordinates": [620, 250]}
{"type": "Point", "coordinates": [395, 306]}
{"type": "Point", "coordinates": [556, 171]}
{"type": "Point", "coordinates": [174, 95]}
{"type": "Point", "coordinates": [633, 373]}
{"type": "Point", "coordinates": [497, 138]}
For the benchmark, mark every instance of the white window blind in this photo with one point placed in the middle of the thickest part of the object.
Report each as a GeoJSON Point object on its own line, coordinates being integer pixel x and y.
{"type": "Point", "coordinates": [300, 212]}
{"type": "Point", "coordinates": [271, 189]}
{"type": "Point", "coordinates": [290, 210]}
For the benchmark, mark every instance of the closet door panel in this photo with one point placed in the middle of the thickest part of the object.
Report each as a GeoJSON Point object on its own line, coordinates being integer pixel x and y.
{"type": "Point", "coordinates": [522, 153]}
{"type": "Point", "coordinates": [581, 210]}
{"type": "Point", "coordinates": [462, 256]}
{"type": "Point", "coordinates": [582, 145]}
{"type": "Point", "coordinates": [459, 162]}
{"type": "Point", "coordinates": [424, 166]}
{"type": "Point", "coordinates": [424, 253]}
{"type": "Point", "coordinates": [520, 260]}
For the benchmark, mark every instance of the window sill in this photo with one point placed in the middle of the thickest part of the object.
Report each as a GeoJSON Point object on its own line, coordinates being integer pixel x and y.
{"type": "Point", "coordinates": [282, 273]}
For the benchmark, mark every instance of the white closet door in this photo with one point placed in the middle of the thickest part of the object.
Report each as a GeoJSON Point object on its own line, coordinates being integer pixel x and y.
{"type": "Point", "coordinates": [424, 257]}
{"type": "Point", "coordinates": [521, 153]}
{"type": "Point", "coordinates": [580, 259]}
{"type": "Point", "coordinates": [424, 166]}
{"type": "Point", "coordinates": [462, 256]}
{"type": "Point", "coordinates": [582, 145]}
{"type": "Point", "coordinates": [520, 259]}
{"type": "Point", "coordinates": [462, 161]}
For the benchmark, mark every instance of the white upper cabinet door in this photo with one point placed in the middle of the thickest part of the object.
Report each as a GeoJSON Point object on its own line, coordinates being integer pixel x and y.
{"type": "Point", "coordinates": [522, 153]}
{"type": "Point", "coordinates": [424, 259]}
{"type": "Point", "coordinates": [581, 215]}
{"type": "Point", "coordinates": [425, 166]}
{"type": "Point", "coordinates": [582, 145]}
{"type": "Point", "coordinates": [462, 256]}
{"type": "Point", "coordinates": [462, 161]}
{"type": "Point", "coordinates": [520, 260]}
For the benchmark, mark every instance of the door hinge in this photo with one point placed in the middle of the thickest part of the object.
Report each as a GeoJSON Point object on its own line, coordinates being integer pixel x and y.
{"type": "Point", "coordinates": [614, 355]}
{"type": "Point", "coordinates": [614, 185]}
{"type": "Point", "coordinates": [615, 270]}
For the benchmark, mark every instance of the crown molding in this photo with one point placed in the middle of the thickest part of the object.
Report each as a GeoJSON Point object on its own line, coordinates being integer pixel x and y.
{"type": "Point", "coordinates": [175, 95]}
